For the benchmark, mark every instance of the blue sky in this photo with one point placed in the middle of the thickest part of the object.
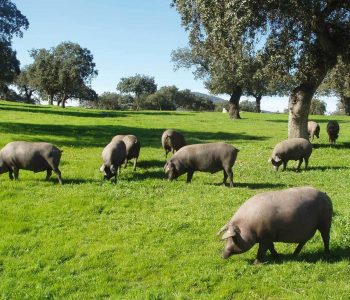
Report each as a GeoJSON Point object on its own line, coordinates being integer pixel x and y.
{"type": "Point", "coordinates": [125, 36]}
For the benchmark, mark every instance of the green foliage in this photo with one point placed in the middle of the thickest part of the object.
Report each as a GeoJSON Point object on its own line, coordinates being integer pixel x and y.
{"type": "Point", "coordinates": [186, 100]}
{"type": "Point", "coordinates": [147, 238]}
{"type": "Point", "coordinates": [139, 86]}
{"type": "Point", "coordinates": [318, 107]}
{"type": "Point", "coordinates": [337, 83]}
{"type": "Point", "coordinates": [63, 72]}
{"type": "Point", "coordinates": [26, 85]}
{"type": "Point", "coordinates": [11, 23]}
{"type": "Point", "coordinates": [220, 105]}
{"type": "Point", "coordinates": [247, 105]}
{"type": "Point", "coordinates": [112, 101]}
{"type": "Point", "coordinates": [9, 65]}
{"type": "Point", "coordinates": [295, 42]}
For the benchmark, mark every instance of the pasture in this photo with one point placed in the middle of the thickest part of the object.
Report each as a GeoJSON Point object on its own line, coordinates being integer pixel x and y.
{"type": "Point", "coordinates": [147, 238]}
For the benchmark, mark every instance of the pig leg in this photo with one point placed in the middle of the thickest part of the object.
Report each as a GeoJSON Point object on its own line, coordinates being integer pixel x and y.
{"type": "Point", "coordinates": [225, 178]}
{"type": "Point", "coordinates": [189, 176]}
{"type": "Point", "coordinates": [284, 166]}
{"type": "Point", "coordinates": [11, 174]}
{"type": "Point", "coordinates": [135, 161]}
{"type": "Point", "coordinates": [58, 173]}
{"type": "Point", "coordinates": [299, 164]}
{"type": "Point", "coordinates": [306, 160]}
{"type": "Point", "coordinates": [325, 237]}
{"type": "Point", "coordinates": [298, 248]}
{"type": "Point", "coordinates": [15, 172]}
{"type": "Point", "coordinates": [126, 163]}
{"type": "Point", "coordinates": [273, 250]}
{"type": "Point", "coordinates": [114, 180]}
{"type": "Point", "coordinates": [48, 174]}
{"type": "Point", "coordinates": [166, 153]}
{"type": "Point", "coordinates": [261, 253]}
{"type": "Point", "coordinates": [230, 175]}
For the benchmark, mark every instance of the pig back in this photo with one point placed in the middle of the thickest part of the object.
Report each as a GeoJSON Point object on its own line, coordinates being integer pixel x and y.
{"type": "Point", "coordinates": [114, 153]}
{"type": "Point", "coordinates": [173, 139]}
{"type": "Point", "coordinates": [291, 215]}
{"type": "Point", "coordinates": [293, 149]}
{"type": "Point", "coordinates": [31, 156]}
{"type": "Point", "coordinates": [132, 145]}
{"type": "Point", "coordinates": [210, 157]}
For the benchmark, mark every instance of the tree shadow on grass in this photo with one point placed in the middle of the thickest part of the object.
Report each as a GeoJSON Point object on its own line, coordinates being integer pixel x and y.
{"type": "Point", "coordinates": [100, 135]}
{"type": "Point", "coordinates": [258, 185]}
{"type": "Point", "coordinates": [158, 174]}
{"type": "Point", "coordinates": [344, 145]}
{"type": "Point", "coordinates": [60, 111]}
{"type": "Point", "coordinates": [318, 121]}
{"type": "Point", "coordinates": [79, 180]}
{"type": "Point", "coordinates": [336, 255]}
{"type": "Point", "coordinates": [328, 168]}
{"type": "Point", "coordinates": [151, 163]}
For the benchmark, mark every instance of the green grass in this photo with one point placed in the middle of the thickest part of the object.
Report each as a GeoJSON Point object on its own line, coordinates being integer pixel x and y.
{"type": "Point", "coordinates": [147, 238]}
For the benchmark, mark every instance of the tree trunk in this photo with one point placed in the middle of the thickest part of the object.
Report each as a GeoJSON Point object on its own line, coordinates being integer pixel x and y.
{"type": "Point", "coordinates": [234, 103]}
{"type": "Point", "coordinates": [299, 107]}
{"type": "Point", "coordinates": [63, 103]}
{"type": "Point", "coordinates": [345, 101]}
{"type": "Point", "coordinates": [28, 94]}
{"type": "Point", "coordinates": [257, 103]}
{"type": "Point", "coordinates": [50, 99]}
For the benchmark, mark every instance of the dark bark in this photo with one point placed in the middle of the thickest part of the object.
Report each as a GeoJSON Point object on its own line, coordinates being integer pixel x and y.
{"type": "Point", "coordinates": [51, 99]}
{"type": "Point", "coordinates": [234, 103]}
{"type": "Point", "coordinates": [28, 94]}
{"type": "Point", "coordinates": [345, 101]}
{"type": "Point", "coordinates": [258, 103]}
{"type": "Point", "coordinates": [299, 107]}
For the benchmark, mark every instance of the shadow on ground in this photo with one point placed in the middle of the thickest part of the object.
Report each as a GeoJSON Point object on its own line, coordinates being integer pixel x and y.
{"type": "Point", "coordinates": [318, 121]}
{"type": "Point", "coordinates": [327, 168]}
{"type": "Point", "coordinates": [100, 135]}
{"type": "Point", "coordinates": [37, 109]}
{"type": "Point", "coordinates": [336, 255]}
{"type": "Point", "coordinates": [336, 146]}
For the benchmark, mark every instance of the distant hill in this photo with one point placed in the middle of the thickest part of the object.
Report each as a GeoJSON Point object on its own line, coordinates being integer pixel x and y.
{"type": "Point", "coordinates": [209, 97]}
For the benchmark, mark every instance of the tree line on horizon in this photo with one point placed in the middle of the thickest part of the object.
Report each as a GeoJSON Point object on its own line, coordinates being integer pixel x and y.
{"type": "Point", "coordinates": [296, 48]}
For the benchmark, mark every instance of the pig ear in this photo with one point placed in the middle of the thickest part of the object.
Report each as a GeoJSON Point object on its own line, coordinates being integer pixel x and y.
{"type": "Point", "coordinates": [231, 231]}
{"type": "Point", "coordinates": [276, 159]}
{"type": "Point", "coordinates": [166, 164]}
{"type": "Point", "coordinates": [113, 169]}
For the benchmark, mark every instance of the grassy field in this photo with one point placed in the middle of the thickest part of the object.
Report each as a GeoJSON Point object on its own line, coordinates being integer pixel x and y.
{"type": "Point", "coordinates": [147, 238]}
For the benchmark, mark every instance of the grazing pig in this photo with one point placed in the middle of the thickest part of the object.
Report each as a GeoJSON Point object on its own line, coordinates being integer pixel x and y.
{"type": "Point", "coordinates": [133, 147]}
{"type": "Point", "coordinates": [202, 157]}
{"type": "Point", "coordinates": [113, 156]}
{"type": "Point", "coordinates": [333, 131]}
{"type": "Point", "coordinates": [313, 129]}
{"type": "Point", "coordinates": [36, 157]}
{"type": "Point", "coordinates": [172, 140]}
{"type": "Point", "coordinates": [291, 149]}
{"type": "Point", "coordinates": [288, 216]}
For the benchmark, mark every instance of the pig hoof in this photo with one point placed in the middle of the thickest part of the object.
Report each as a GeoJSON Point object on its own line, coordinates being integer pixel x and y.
{"type": "Point", "coordinates": [256, 262]}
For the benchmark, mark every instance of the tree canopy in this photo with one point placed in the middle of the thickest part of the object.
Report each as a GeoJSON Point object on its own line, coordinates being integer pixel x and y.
{"type": "Point", "coordinates": [337, 83]}
{"type": "Point", "coordinates": [63, 72]}
{"type": "Point", "coordinates": [139, 86]}
{"type": "Point", "coordinates": [12, 22]}
{"type": "Point", "coordinates": [300, 41]}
